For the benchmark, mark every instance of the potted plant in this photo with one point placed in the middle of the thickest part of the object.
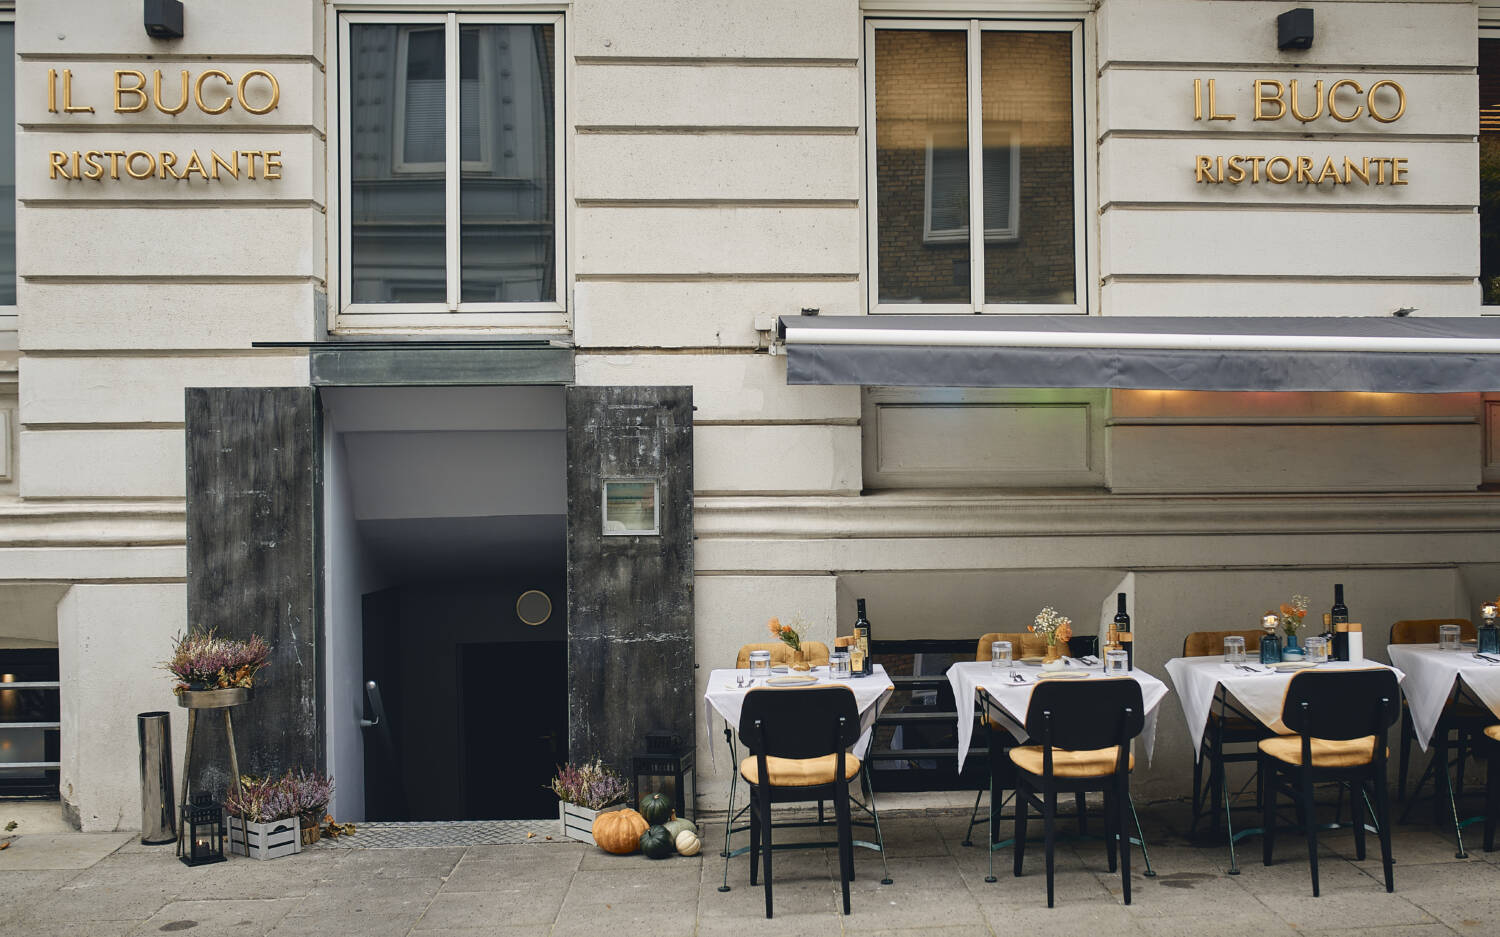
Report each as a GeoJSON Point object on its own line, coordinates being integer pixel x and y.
{"type": "Point", "coordinates": [213, 672]}
{"type": "Point", "coordinates": [1057, 629]}
{"type": "Point", "coordinates": [584, 791]}
{"type": "Point", "coordinates": [310, 793]}
{"type": "Point", "coordinates": [262, 818]}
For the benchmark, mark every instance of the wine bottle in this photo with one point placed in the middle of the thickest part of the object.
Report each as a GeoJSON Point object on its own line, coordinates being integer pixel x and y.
{"type": "Point", "coordinates": [1122, 630]}
{"type": "Point", "coordinates": [863, 667]}
{"type": "Point", "coordinates": [1338, 643]}
{"type": "Point", "coordinates": [1340, 612]}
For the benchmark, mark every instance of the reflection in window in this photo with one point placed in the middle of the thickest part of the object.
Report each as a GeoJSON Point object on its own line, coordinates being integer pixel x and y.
{"type": "Point", "coordinates": [402, 240]}
{"type": "Point", "coordinates": [630, 507]}
{"type": "Point", "coordinates": [1489, 169]}
{"type": "Point", "coordinates": [8, 166]}
{"type": "Point", "coordinates": [924, 162]}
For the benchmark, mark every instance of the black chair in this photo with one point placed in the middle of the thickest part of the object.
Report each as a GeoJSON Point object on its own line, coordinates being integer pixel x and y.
{"type": "Point", "coordinates": [1085, 729]}
{"type": "Point", "coordinates": [798, 741]}
{"type": "Point", "coordinates": [1230, 737]}
{"type": "Point", "coordinates": [1342, 719]}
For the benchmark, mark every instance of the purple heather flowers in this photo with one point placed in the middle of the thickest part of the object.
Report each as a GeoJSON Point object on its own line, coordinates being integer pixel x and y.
{"type": "Point", "coordinates": [592, 784]}
{"type": "Point", "coordinates": [203, 661]}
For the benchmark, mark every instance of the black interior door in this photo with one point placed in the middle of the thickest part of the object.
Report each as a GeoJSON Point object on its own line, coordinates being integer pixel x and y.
{"type": "Point", "coordinates": [513, 706]}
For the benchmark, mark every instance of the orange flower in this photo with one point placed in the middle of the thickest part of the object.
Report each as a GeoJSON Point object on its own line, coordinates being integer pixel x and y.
{"type": "Point", "coordinates": [1031, 628]}
{"type": "Point", "coordinates": [1287, 609]}
{"type": "Point", "coordinates": [775, 627]}
{"type": "Point", "coordinates": [1064, 632]}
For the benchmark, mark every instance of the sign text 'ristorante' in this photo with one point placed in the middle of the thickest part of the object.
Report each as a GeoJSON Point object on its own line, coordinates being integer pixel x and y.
{"type": "Point", "coordinates": [212, 91]}
{"type": "Point", "coordinates": [1345, 102]}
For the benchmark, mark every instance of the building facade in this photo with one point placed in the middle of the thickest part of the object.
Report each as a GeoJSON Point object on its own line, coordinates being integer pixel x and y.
{"type": "Point", "coordinates": [365, 324]}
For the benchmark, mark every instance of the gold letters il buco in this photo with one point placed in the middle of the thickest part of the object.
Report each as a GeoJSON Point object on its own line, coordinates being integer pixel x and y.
{"type": "Point", "coordinates": [1344, 100]}
{"type": "Point", "coordinates": [212, 91]}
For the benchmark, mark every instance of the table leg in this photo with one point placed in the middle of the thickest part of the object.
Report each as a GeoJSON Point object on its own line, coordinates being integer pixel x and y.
{"type": "Point", "coordinates": [187, 772]}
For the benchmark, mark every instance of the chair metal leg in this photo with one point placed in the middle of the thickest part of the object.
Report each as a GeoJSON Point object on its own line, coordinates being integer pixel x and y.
{"type": "Point", "coordinates": [1383, 818]}
{"type": "Point", "coordinates": [755, 831]}
{"type": "Point", "coordinates": [1458, 830]}
{"type": "Point", "coordinates": [1140, 835]}
{"type": "Point", "coordinates": [1124, 830]}
{"type": "Point", "coordinates": [1049, 827]}
{"type": "Point", "coordinates": [1408, 732]}
{"type": "Point", "coordinates": [869, 787]}
{"type": "Point", "coordinates": [1357, 817]}
{"type": "Point", "coordinates": [846, 840]}
{"type": "Point", "coordinates": [1023, 801]}
{"type": "Point", "coordinates": [728, 822]}
{"type": "Point", "coordinates": [973, 818]}
{"type": "Point", "coordinates": [1310, 824]}
{"type": "Point", "coordinates": [1111, 827]}
{"type": "Point", "coordinates": [766, 838]}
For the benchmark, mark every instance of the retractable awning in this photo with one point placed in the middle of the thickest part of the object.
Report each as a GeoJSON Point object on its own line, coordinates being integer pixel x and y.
{"type": "Point", "coordinates": [1397, 355]}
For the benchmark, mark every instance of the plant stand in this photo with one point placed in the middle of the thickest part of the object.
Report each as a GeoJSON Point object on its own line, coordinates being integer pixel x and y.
{"type": "Point", "coordinates": [578, 822]}
{"type": "Point", "coordinates": [192, 701]}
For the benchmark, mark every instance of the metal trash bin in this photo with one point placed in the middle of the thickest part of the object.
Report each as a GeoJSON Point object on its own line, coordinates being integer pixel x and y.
{"type": "Point", "coordinates": [158, 809]}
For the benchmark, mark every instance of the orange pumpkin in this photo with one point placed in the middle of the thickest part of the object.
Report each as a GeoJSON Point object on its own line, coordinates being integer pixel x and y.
{"type": "Point", "coordinates": [619, 831]}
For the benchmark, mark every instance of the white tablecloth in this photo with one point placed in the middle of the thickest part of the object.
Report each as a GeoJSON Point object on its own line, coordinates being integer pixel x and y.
{"type": "Point", "coordinates": [1197, 680]}
{"type": "Point", "coordinates": [1430, 677]}
{"type": "Point", "coordinates": [968, 677]}
{"type": "Point", "coordinates": [870, 695]}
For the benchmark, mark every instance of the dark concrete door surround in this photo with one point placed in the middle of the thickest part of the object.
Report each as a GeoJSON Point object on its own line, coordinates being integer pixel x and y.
{"type": "Point", "coordinates": [630, 598]}
{"type": "Point", "coordinates": [252, 567]}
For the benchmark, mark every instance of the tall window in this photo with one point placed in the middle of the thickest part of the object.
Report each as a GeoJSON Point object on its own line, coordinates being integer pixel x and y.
{"type": "Point", "coordinates": [8, 164]}
{"type": "Point", "coordinates": [936, 87]}
{"type": "Point", "coordinates": [1489, 167]}
{"type": "Point", "coordinates": [450, 170]}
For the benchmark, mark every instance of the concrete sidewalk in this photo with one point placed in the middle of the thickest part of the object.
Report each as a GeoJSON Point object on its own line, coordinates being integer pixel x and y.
{"type": "Point", "coordinates": [106, 885]}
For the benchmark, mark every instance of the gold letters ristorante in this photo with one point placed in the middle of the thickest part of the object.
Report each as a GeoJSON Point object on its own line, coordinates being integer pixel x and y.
{"type": "Point", "coordinates": [1366, 170]}
{"type": "Point", "coordinates": [164, 164]}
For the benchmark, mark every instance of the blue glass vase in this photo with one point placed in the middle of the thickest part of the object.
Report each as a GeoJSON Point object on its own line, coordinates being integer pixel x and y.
{"type": "Point", "coordinates": [1270, 649]}
{"type": "Point", "coordinates": [1489, 639]}
{"type": "Point", "coordinates": [1291, 649]}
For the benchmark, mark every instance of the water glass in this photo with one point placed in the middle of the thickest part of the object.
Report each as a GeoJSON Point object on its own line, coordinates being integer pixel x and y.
{"type": "Point", "coordinates": [1000, 655]}
{"type": "Point", "coordinates": [1234, 649]}
{"type": "Point", "coordinates": [1448, 637]}
{"type": "Point", "coordinates": [838, 665]}
{"type": "Point", "coordinates": [1316, 650]}
{"type": "Point", "coordinates": [760, 663]}
{"type": "Point", "coordinates": [1117, 661]}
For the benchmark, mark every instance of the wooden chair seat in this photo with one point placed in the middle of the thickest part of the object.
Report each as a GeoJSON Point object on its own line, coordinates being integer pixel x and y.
{"type": "Point", "coordinates": [1326, 753]}
{"type": "Point", "coordinates": [801, 772]}
{"type": "Point", "coordinates": [1096, 763]}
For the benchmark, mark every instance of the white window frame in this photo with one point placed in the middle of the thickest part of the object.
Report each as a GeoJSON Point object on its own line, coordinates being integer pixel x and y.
{"type": "Point", "coordinates": [398, 142]}
{"type": "Point", "coordinates": [1082, 244]}
{"type": "Point", "coordinates": [1009, 231]}
{"type": "Point", "coordinates": [551, 316]}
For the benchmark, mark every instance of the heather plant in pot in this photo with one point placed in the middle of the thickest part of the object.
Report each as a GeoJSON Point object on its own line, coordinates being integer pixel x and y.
{"type": "Point", "coordinates": [201, 660]}
{"type": "Point", "coordinates": [584, 791]}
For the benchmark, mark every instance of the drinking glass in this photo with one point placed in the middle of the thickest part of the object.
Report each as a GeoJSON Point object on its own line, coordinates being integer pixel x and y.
{"type": "Point", "coordinates": [1448, 637]}
{"type": "Point", "coordinates": [1317, 650]}
{"type": "Point", "coordinates": [1117, 661]}
{"type": "Point", "coordinates": [760, 663]}
{"type": "Point", "coordinates": [1234, 649]}
{"type": "Point", "coordinates": [1000, 655]}
{"type": "Point", "coordinates": [838, 665]}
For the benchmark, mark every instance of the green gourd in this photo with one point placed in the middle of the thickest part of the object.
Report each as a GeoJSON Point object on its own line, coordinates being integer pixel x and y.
{"type": "Point", "coordinates": [657, 843]}
{"type": "Point", "coordinates": [676, 826]}
{"type": "Point", "coordinates": [656, 807]}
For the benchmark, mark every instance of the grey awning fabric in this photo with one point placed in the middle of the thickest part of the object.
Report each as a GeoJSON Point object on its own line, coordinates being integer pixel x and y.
{"type": "Point", "coordinates": [1397, 355]}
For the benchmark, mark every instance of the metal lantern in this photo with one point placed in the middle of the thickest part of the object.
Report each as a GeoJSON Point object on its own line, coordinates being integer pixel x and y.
{"type": "Point", "coordinates": [666, 766]}
{"type": "Point", "coordinates": [202, 831]}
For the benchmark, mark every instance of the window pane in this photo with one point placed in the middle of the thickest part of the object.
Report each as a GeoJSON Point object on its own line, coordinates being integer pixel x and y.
{"type": "Point", "coordinates": [397, 147]}
{"type": "Point", "coordinates": [508, 189]}
{"type": "Point", "coordinates": [1489, 169]}
{"type": "Point", "coordinates": [8, 165]}
{"type": "Point", "coordinates": [921, 166]}
{"type": "Point", "coordinates": [1026, 91]}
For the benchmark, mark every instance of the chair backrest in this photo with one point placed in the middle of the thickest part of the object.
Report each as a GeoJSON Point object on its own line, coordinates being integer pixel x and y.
{"type": "Point", "coordinates": [1341, 704]}
{"type": "Point", "coordinates": [1425, 630]}
{"type": "Point", "coordinates": [781, 654]}
{"type": "Point", "coordinates": [1206, 643]}
{"type": "Point", "coordinates": [1086, 714]}
{"type": "Point", "coordinates": [1022, 644]}
{"type": "Point", "coordinates": [799, 722]}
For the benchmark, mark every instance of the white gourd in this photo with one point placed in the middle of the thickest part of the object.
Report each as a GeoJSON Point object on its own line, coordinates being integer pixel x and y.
{"type": "Point", "coordinates": [687, 843]}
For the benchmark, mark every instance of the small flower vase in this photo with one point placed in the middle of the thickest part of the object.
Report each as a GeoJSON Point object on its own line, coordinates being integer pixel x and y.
{"type": "Point", "coordinates": [1489, 638]}
{"type": "Point", "coordinates": [1270, 649]}
{"type": "Point", "coordinates": [1053, 658]}
{"type": "Point", "coordinates": [799, 660]}
{"type": "Point", "coordinates": [1290, 650]}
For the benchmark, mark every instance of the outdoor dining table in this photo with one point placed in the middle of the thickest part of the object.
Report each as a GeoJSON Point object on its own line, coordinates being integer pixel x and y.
{"type": "Point", "coordinates": [1259, 689]}
{"type": "Point", "coordinates": [726, 696]}
{"type": "Point", "coordinates": [1432, 676]}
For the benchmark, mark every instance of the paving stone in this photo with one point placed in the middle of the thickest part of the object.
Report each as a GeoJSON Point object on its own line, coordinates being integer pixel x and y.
{"type": "Point", "coordinates": [37, 852]}
{"type": "Point", "coordinates": [1345, 907]}
{"type": "Point", "coordinates": [670, 885]}
{"type": "Point", "coordinates": [214, 917]}
{"type": "Point", "coordinates": [483, 909]}
{"type": "Point", "coordinates": [633, 919]}
{"type": "Point", "coordinates": [58, 929]}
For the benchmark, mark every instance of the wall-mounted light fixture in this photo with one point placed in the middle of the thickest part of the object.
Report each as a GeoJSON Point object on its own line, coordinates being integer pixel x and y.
{"type": "Point", "coordinates": [164, 19]}
{"type": "Point", "coordinates": [1294, 29]}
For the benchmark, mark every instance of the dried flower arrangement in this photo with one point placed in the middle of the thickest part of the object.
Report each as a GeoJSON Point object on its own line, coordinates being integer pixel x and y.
{"type": "Point", "coordinates": [1056, 628]}
{"type": "Point", "coordinates": [203, 661]}
{"type": "Point", "coordinates": [592, 784]}
{"type": "Point", "coordinates": [1289, 615]}
{"type": "Point", "coordinates": [298, 793]}
{"type": "Point", "coordinates": [791, 634]}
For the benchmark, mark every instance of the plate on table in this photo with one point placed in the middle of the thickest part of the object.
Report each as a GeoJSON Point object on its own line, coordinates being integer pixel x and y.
{"type": "Point", "coordinates": [1030, 661]}
{"type": "Point", "coordinates": [1062, 675]}
{"type": "Point", "coordinates": [1288, 666]}
{"type": "Point", "coordinates": [805, 680]}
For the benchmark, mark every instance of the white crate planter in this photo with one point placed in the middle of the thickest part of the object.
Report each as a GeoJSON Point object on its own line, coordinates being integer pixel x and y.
{"type": "Point", "coordinates": [578, 822]}
{"type": "Point", "coordinates": [264, 840]}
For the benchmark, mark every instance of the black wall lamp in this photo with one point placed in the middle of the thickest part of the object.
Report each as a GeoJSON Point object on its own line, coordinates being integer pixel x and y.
{"type": "Point", "coordinates": [164, 19]}
{"type": "Point", "coordinates": [1294, 29]}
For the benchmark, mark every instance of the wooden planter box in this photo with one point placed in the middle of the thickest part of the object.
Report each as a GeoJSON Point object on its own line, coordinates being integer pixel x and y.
{"type": "Point", "coordinates": [264, 840]}
{"type": "Point", "coordinates": [578, 822]}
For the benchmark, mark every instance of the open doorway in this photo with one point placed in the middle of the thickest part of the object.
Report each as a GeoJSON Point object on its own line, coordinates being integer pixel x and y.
{"type": "Point", "coordinates": [445, 571]}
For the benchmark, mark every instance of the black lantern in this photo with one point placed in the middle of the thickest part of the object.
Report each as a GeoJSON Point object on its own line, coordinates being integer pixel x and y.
{"type": "Point", "coordinates": [202, 831]}
{"type": "Point", "coordinates": [666, 766]}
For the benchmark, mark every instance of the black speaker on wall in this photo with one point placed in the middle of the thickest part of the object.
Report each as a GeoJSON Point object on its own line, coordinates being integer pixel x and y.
{"type": "Point", "coordinates": [1294, 29]}
{"type": "Point", "coordinates": [164, 19]}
